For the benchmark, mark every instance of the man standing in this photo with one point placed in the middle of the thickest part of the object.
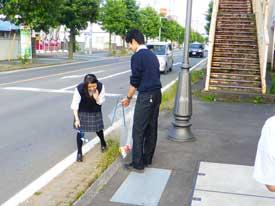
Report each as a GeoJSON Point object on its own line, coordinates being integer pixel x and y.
{"type": "Point", "coordinates": [145, 79]}
{"type": "Point", "coordinates": [264, 170]}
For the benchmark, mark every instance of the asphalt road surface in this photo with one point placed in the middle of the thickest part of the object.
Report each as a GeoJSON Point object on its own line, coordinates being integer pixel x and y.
{"type": "Point", "coordinates": [36, 120]}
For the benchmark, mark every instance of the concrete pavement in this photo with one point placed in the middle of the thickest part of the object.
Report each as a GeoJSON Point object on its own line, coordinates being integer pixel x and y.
{"type": "Point", "coordinates": [36, 118]}
{"type": "Point", "coordinates": [216, 169]}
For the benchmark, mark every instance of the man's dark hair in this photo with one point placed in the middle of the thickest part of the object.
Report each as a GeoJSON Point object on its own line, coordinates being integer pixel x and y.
{"type": "Point", "coordinates": [136, 35]}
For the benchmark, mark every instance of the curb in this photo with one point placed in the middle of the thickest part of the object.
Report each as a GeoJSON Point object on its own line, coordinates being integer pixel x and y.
{"type": "Point", "coordinates": [87, 198]}
{"type": "Point", "coordinates": [91, 193]}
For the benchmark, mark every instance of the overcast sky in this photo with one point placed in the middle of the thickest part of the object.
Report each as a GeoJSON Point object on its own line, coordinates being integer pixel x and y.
{"type": "Point", "coordinates": [178, 8]}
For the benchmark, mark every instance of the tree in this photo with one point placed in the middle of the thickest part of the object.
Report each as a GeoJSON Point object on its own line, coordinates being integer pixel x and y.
{"type": "Point", "coordinates": [149, 22]}
{"type": "Point", "coordinates": [132, 17]}
{"type": "Point", "coordinates": [38, 14]}
{"type": "Point", "coordinates": [208, 17]}
{"type": "Point", "coordinates": [197, 37]}
{"type": "Point", "coordinates": [171, 30]}
{"type": "Point", "coordinates": [113, 17]}
{"type": "Point", "coordinates": [120, 16]}
{"type": "Point", "coordinates": [76, 14]}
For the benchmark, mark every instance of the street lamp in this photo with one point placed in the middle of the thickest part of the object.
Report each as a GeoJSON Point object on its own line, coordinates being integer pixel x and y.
{"type": "Point", "coordinates": [181, 126]}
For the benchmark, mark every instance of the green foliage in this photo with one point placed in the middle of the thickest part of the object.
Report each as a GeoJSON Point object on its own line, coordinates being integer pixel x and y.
{"type": "Point", "coordinates": [208, 17]}
{"type": "Point", "coordinates": [168, 98]}
{"type": "Point", "coordinates": [272, 88]}
{"type": "Point", "coordinates": [196, 37]}
{"type": "Point", "coordinates": [76, 13]}
{"type": "Point", "coordinates": [150, 22]}
{"type": "Point", "coordinates": [197, 75]}
{"type": "Point", "coordinates": [37, 193]}
{"type": "Point", "coordinates": [37, 14]}
{"type": "Point", "coordinates": [258, 100]}
{"type": "Point", "coordinates": [113, 16]}
{"type": "Point", "coordinates": [209, 98]}
{"type": "Point", "coordinates": [171, 30]}
{"type": "Point", "coordinates": [24, 59]}
{"type": "Point", "coordinates": [132, 16]}
{"type": "Point", "coordinates": [109, 156]}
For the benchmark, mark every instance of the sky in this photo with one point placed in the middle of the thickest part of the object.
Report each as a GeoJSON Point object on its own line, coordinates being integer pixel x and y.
{"type": "Point", "coordinates": [178, 8]}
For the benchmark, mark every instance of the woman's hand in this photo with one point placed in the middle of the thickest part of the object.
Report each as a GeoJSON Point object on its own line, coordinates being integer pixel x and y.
{"type": "Point", "coordinates": [77, 124]}
{"type": "Point", "coordinates": [96, 94]}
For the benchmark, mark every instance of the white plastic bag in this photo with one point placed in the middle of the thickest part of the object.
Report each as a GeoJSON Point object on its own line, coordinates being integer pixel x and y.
{"type": "Point", "coordinates": [120, 114]}
{"type": "Point", "coordinates": [126, 140]}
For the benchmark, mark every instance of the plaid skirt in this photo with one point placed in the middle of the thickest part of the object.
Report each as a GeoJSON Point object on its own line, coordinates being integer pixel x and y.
{"type": "Point", "coordinates": [91, 122]}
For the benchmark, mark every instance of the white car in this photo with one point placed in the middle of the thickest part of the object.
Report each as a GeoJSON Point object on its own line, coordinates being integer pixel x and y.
{"type": "Point", "coordinates": [164, 53]}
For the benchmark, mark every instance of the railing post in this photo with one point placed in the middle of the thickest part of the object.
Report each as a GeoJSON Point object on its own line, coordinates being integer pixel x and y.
{"type": "Point", "coordinates": [211, 41]}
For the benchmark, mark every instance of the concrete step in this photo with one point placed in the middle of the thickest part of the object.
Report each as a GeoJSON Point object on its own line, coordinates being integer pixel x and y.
{"type": "Point", "coordinates": [234, 41]}
{"type": "Point", "coordinates": [235, 29]}
{"type": "Point", "coordinates": [229, 88]}
{"type": "Point", "coordinates": [227, 22]}
{"type": "Point", "coordinates": [235, 25]}
{"type": "Point", "coordinates": [236, 37]}
{"type": "Point", "coordinates": [236, 15]}
{"type": "Point", "coordinates": [236, 76]}
{"type": "Point", "coordinates": [236, 60]}
{"type": "Point", "coordinates": [228, 32]}
{"type": "Point", "coordinates": [235, 54]}
{"type": "Point", "coordinates": [232, 64]}
{"type": "Point", "coordinates": [237, 50]}
{"type": "Point", "coordinates": [237, 7]}
{"type": "Point", "coordinates": [239, 70]}
{"type": "Point", "coordinates": [238, 83]}
{"type": "Point", "coordinates": [235, 2]}
{"type": "Point", "coordinates": [234, 45]}
{"type": "Point", "coordinates": [235, 11]}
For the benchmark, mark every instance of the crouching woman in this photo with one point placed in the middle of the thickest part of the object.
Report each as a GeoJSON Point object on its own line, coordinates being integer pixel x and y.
{"type": "Point", "coordinates": [86, 105]}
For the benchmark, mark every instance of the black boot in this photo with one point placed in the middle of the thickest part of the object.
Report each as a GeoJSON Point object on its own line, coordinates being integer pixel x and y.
{"type": "Point", "coordinates": [79, 157]}
{"type": "Point", "coordinates": [79, 142]}
{"type": "Point", "coordinates": [103, 144]}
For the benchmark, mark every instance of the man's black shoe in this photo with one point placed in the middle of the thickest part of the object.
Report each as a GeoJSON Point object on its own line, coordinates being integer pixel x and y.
{"type": "Point", "coordinates": [130, 167]}
{"type": "Point", "coordinates": [148, 165]}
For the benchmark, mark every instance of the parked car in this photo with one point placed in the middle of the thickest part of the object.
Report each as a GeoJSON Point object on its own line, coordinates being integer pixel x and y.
{"type": "Point", "coordinates": [196, 50]}
{"type": "Point", "coordinates": [164, 53]}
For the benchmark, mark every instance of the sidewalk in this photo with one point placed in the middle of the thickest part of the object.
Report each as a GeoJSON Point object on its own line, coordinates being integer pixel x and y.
{"type": "Point", "coordinates": [50, 59]}
{"type": "Point", "coordinates": [216, 169]}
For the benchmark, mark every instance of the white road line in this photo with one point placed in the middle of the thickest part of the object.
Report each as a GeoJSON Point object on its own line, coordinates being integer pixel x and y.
{"type": "Point", "coordinates": [81, 75]}
{"type": "Point", "coordinates": [103, 78]}
{"type": "Point", "coordinates": [60, 74]}
{"type": "Point", "coordinates": [52, 91]}
{"type": "Point", "coordinates": [43, 180]}
{"type": "Point", "coordinates": [37, 90]}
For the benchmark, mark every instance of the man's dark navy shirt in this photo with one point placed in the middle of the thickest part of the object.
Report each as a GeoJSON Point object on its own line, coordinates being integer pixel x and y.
{"type": "Point", "coordinates": [145, 71]}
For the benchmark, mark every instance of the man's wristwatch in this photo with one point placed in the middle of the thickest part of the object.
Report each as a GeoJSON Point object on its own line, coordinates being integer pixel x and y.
{"type": "Point", "coordinates": [129, 98]}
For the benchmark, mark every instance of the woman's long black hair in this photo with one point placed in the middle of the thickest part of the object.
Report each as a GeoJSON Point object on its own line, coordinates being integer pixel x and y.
{"type": "Point", "coordinates": [89, 79]}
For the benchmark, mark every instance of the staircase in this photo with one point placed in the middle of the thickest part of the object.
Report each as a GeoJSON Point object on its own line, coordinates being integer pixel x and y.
{"type": "Point", "coordinates": [235, 63]}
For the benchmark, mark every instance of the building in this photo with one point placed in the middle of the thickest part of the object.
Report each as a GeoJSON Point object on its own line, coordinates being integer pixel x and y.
{"type": "Point", "coordinates": [94, 38]}
{"type": "Point", "coordinates": [9, 41]}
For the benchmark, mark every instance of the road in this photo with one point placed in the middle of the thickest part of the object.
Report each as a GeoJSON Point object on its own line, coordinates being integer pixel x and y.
{"type": "Point", "coordinates": [36, 120]}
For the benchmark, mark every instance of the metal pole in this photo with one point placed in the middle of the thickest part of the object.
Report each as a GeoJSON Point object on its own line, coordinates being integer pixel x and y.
{"type": "Point", "coordinates": [181, 126]}
{"type": "Point", "coordinates": [160, 29]}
